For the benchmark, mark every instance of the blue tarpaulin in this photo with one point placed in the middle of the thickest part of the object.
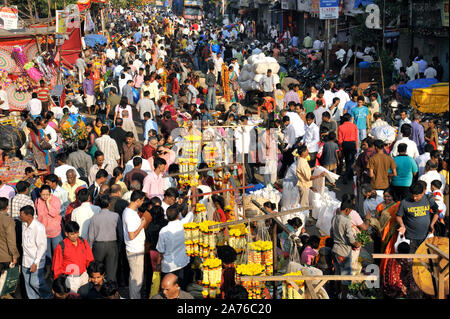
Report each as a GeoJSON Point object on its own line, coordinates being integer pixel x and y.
{"type": "Point", "coordinates": [92, 39]}
{"type": "Point", "coordinates": [405, 90]}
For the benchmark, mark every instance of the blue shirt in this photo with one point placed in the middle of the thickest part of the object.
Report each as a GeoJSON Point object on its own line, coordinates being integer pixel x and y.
{"type": "Point", "coordinates": [349, 106]}
{"type": "Point", "coordinates": [360, 115]}
{"type": "Point", "coordinates": [150, 125]}
{"type": "Point", "coordinates": [406, 166]}
{"type": "Point", "coordinates": [137, 37]}
{"type": "Point", "coordinates": [417, 135]}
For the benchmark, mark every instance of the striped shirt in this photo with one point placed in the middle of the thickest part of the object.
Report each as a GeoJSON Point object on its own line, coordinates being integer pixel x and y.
{"type": "Point", "coordinates": [43, 94]}
{"type": "Point", "coordinates": [291, 96]}
{"type": "Point", "coordinates": [109, 148]}
{"type": "Point", "coordinates": [17, 202]}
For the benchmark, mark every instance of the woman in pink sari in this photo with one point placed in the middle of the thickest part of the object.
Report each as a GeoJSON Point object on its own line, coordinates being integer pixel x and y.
{"type": "Point", "coordinates": [39, 145]}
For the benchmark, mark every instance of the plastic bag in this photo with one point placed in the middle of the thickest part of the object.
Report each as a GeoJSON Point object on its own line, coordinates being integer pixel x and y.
{"type": "Point", "coordinates": [400, 239]}
{"type": "Point", "coordinates": [385, 133]}
{"type": "Point", "coordinates": [156, 281]}
{"type": "Point", "coordinates": [9, 280]}
{"type": "Point", "coordinates": [294, 264]}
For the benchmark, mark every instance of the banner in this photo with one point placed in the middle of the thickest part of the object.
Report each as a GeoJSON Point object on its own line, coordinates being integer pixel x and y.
{"type": "Point", "coordinates": [315, 7]}
{"type": "Point", "coordinates": [444, 13]}
{"type": "Point", "coordinates": [329, 9]}
{"type": "Point", "coordinates": [9, 18]}
{"type": "Point", "coordinates": [303, 5]}
{"type": "Point", "coordinates": [61, 16]}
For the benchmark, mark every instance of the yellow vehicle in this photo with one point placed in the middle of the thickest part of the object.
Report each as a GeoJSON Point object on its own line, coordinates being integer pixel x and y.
{"type": "Point", "coordinates": [433, 99]}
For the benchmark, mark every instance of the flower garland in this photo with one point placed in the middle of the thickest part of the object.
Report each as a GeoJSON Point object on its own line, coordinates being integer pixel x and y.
{"type": "Point", "coordinates": [212, 277]}
{"type": "Point", "coordinates": [290, 292]}
{"type": "Point", "coordinates": [201, 241]}
{"type": "Point", "coordinates": [254, 288]}
{"type": "Point", "coordinates": [200, 213]}
{"type": "Point", "coordinates": [237, 238]}
{"type": "Point", "coordinates": [260, 252]}
{"type": "Point", "coordinates": [225, 82]}
{"type": "Point", "coordinates": [189, 160]}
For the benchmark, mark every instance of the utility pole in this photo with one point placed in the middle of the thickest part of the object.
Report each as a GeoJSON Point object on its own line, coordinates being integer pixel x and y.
{"type": "Point", "coordinates": [327, 59]}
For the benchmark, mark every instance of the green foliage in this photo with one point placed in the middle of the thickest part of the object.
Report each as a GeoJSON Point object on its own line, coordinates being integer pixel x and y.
{"type": "Point", "coordinates": [364, 237]}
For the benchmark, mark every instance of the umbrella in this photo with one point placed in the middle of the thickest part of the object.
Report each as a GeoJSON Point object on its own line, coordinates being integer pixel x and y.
{"type": "Point", "coordinates": [17, 100]}
{"type": "Point", "coordinates": [286, 81]}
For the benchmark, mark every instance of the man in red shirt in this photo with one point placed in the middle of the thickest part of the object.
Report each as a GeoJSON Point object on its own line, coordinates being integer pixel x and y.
{"type": "Point", "coordinates": [72, 257]}
{"type": "Point", "coordinates": [347, 139]}
{"type": "Point", "coordinates": [43, 93]}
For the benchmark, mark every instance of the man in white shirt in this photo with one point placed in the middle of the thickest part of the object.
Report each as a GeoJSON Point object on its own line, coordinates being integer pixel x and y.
{"type": "Point", "coordinates": [412, 150]}
{"type": "Point", "coordinates": [422, 159]}
{"type": "Point", "coordinates": [289, 133]}
{"type": "Point", "coordinates": [297, 123]}
{"type": "Point", "coordinates": [171, 245]}
{"type": "Point", "coordinates": [4, 105]}
{"type": "Point", "coordinates": [84, 213]}
{"type": "Point", "coordinates": [432, 174]}
{"type": "Point", "coordinates": [218, 61]}
{"type": "Point", "coordinates": [328, 95]}
{"type": "Point", "coordinates": [372, 199]}
{"type": "Point", "coordinates": [311, 138]}
{"type": "Point", "coordinates": [430, 73]}
{"type": "Point", "coordinates": [34, 106]}
{"type": "Point", "coordinates": [34, 242]}
{"type": "Point", "coordinates": [317, 45]}
{"type": "Point", "coordinates": [245, 133]}
{"type": "Point", "coordinates": [108, 147]}
{"type": "Point", "coordinates": [134, 237]}
{"type": "Point", "coordinates": [110, 52]}
{"type": "Point", "coordinates": [154, 89]}
{"type": "Point", "coordinates": [343, 98]}
{"type": "Point", "coordinates": [404, 120]}
{"type": "Point", "coordinates": [62, 168]}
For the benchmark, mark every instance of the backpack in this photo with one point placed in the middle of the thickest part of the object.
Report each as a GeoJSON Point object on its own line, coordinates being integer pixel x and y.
{"type": "Point", "coordinates": [61, 243]}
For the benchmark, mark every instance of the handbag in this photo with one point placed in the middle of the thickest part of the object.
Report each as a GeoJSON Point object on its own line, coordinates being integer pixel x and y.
{"type": "Point", "coordinates": [9, 280]}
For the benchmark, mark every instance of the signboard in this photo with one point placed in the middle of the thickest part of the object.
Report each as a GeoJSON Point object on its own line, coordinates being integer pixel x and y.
{"type": "Point", "coordinates": [61, 26]}
{"type": "Point", "coordinates": [444, 13]}
{"type": "Point", "coordinates": [9, 18]}
{"type": "Point", "coordinates": [284, 4]}
{"type": "Point", "coordinates": [329, 9]}
{"type": "Point", "coordinates": [303, 5]}
{"type": "Point", "coordinates": [193, 3]}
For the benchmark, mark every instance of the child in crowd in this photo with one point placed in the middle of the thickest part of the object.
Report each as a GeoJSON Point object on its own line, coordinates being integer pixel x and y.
{"type": "Point", "coordinates": [439, 199]}
{"type": "Point", "coordinates": [309, 250]}
{"type": "Point", "coordinates": [330, 153]}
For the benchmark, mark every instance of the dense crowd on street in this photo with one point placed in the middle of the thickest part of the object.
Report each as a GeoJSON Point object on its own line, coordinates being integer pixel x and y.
{"type": "Point", "coordinates": [101, 217]}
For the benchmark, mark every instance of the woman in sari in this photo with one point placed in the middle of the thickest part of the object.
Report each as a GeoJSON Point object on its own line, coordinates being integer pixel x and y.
{"type": "Point", "coordinates": [234, 86]}
{"type": "Point", "coordinates": [39, 145]}
{"type": "Point", "coordinates": [92, 135]}
{"type": "Point", "coordinates": [386, 225]}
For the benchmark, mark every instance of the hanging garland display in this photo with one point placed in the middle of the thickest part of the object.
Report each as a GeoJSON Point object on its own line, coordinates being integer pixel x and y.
{"type": "Point", "coordinates": [289, 292]}
{"type": "Point", "coordinates": [212, 277]}
{"type": "Point", "coordinates": [225, 82]}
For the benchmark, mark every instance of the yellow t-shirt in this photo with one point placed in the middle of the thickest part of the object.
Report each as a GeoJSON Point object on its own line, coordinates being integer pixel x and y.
{"type": "Point", "coordinates": [300, 95]}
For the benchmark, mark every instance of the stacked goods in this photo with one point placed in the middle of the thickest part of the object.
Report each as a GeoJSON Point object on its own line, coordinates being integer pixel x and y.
{"type": "Point", "coordinates": [254, 288]}
{"type": "Point", "coordinates": [13, 171]}
{"type": "Point", "coordinates": [257, 65]}
{"type": "Point", "coordinates": [260, 252]}
{"type": "Point", "coordinates": [201, 241]}
{"type": "Point", "coordinates": [237, 238]}
{"type": "Point", "coordinates": [290, 292]}
{"type": "Point", "coordinates": [212, 277]}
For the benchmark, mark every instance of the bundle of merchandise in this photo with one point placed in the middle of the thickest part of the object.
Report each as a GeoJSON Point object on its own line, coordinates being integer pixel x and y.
{"type": "Point", "coordinates": [289, 292]}
{"type": "Point", "coordinates": [201, 241]}
{"type": "Point", "coordinates": [200, 213]}
{"type": "Point", "coordinates": [212, 277]}
{"type": "Point", "coordinates": [237, 238]}
{"type": "Point", "coordinates": [188, 161]}
{"type": "Point", "coordinates": [260, 252]}
{"type": "Point", "coordinates": [256, 67]}
{"type": "Point", "coordinates": [254, 288]}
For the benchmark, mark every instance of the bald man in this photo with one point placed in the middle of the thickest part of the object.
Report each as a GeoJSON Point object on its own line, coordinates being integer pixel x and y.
{"type": "Point", "coordinates": [72, 184]}
{"type": "Point", "coordinates": [171, 290]}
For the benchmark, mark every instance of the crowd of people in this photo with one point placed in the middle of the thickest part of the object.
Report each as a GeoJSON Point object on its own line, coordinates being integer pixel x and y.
{"type": "Point", "coordinates": [109, 212]}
